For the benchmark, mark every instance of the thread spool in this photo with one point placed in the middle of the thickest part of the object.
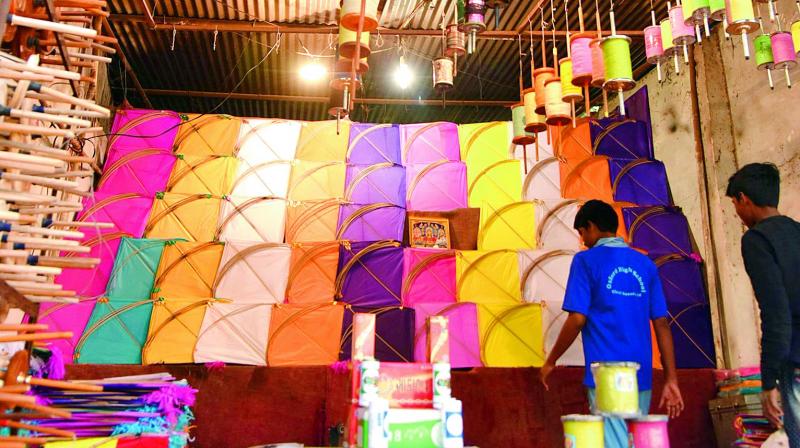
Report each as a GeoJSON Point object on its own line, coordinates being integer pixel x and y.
{"type": "Point", "coordinates": [654, 47]}
{"type": "Point", "coordinates": [771, 8]}
{"type": "Point", "coordinates": [682, 34]}
{"type": "Point", "coordinates": [540, 78]}
{"type": "Point", "coordinates": [666, 42]}
{"type": "Point", "coordinates": [741, 20]}
{"type": "Point", "coordinates": [649, 431]}
{"type": "Point", "coordinates": [617, 389]}
{"type": "Point", "coordinates": [346, 65]}
{"type": "Point", "coordinates": [569, 91]}
{"type": "Point", "coordinates": [619, 69]}
{"type": "Point", "coordinates": [456, 42]}
{"type": "Point", "coordinates": [696, 13]}
{"type": "Point", "coordinates": [351, 10]}
{"type": "Point", "coordinates": [521, 136]}
{"type": "Point", "coordinates": [341, 79]}
{"type": "Point", "coordinates": [583, 431]}
{"type": "Point", "coordinates": [598, 65]}
{"type": "Point", "coordinates": [442, 74]}
{"type": "Point", "coordinates": [534, 122]}
{"type": "Point", "coordinates": [796, 36]}
{"type": "Point", "coordinates": [783, 52]}
{"type": "Point", "coordinates": [347, 43]}
{"type": "Point", "coordinates": [557, 112]}
{"type": "Point", "coordinates": [336, 107]}
{"type": "Point", "coordinates": [764, 60]}
{"type": "Point", "coordinates": [581, 59]}
{"type": "Point", "coordinates": [474, 22]}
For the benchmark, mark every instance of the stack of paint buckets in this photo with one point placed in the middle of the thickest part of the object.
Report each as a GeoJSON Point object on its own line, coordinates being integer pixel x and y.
{"type": "Point", "coordinates": [617, 396]}
{"type": "Point", "coordinates": [398, 405]}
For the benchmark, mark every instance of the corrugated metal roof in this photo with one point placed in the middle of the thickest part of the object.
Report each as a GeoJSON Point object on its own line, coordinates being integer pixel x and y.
{"type": "Point", "coordinates": [203, 61]}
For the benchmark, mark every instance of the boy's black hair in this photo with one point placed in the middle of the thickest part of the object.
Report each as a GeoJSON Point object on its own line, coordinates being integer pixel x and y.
{"type": "Point", "coordinates": [598, 212]}
{"type": "Point", "coordinates": [761, 182]}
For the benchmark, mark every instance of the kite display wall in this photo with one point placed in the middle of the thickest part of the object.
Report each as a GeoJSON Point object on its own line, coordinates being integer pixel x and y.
{"type": "Point", "coordinates": [253, 241]}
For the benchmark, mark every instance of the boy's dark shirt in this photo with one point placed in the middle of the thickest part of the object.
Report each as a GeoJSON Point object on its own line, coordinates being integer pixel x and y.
{"type": "Point", "coordinates": [771, 253]}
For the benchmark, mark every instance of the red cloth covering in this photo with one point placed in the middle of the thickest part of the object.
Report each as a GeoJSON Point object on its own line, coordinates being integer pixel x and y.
{"type": "Point", "coordinates": [143, 442]}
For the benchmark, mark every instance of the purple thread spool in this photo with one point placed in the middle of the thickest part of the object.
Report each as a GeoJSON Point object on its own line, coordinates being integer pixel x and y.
{"type": "Point", "coordinates": [682, 34]}
{"type": "Point", "coordinates": [581, 60]}
{"type": "Point", "coordinates": [653, 47]}
{"type": "Point", "coordinates": [783, 52]}
{"type": "Point", "coordinates": [475, 22]}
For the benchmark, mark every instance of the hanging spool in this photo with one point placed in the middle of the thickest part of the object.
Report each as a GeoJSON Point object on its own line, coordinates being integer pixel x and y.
{"type": "Point", "coordinates": [521, 136]}
{"type": "Point", "coordinates": [741, 20]}
{"type": "Point", "coordinates": [497, 6]}
{"type": "Point", "coordinates": [717, 10]}
{"type": "Point", "coordinates": [336, 107]}
{"type": "Point", "coordinates": [343, 74]}
{"type": "Point", "coordinates": [696, 14]}
{"type": "Point", "coordinates": [474, 22]}
{"type": "Point", "coordinates": [598, 67]}
{"type": "Point", "coordinates": [771, 8]}
{"type": "Point", "coordinates": [540, 78]}
{"type": "Point", "coordinates": [682, 34]}
{"type": "Point", "coordinates": [581, 59]}
{"type": "Point", "coordinates": [619, 70]}
{"type": "Point", "coordinates": [347, 43]}
{"type": "Point", "coordinates": [783, 51]}
{"type": "Point", "coordinates": [556, 110]}
{"type": "Point", "coordinates": [764, 58]}
{"type": "Point", "coordinates": [569, 91]}
{"type": "Point", "coordinates": [456, 42]}
{"type": "Point", "coordinates": [654, 47]}
{"type": "Point", "coordinates": [442, 74]}
{"type": "Point", "coordinates": [346, 65]}
{"type": "Point", "coordinates": [351, 10]}
{"type": "Point", "coordinates": [666, 41]}
{"type": "Point", "coordinates": [796, 36]}
{"type": "Point", "coordinates": [534, 122]}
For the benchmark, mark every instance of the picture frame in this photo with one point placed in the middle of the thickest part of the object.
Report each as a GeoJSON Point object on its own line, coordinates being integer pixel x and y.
{"type": "Point", "coordinates": [431, 233]}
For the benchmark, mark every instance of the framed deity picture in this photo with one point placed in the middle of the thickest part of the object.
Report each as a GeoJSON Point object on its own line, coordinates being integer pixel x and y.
{"type": "Point", "coordinates": [429, 232]}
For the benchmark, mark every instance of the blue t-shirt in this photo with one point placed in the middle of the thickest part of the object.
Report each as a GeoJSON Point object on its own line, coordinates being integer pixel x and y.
{"type": "Point", "coordinates": [619, 292]}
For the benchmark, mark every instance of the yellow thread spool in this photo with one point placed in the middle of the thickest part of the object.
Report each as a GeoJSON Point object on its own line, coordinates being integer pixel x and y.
{"type": "Point", "coordinates": [569, 92]}
{"type": "Point", "coordinates": [556, 110]}
{"type": "Point", "coordinates": [742, 21]}
{"type": "Point", "coordinates": [533, 122]}
{"type": "Point", "coordinates": [351, 10]}
{"type": "Point", "coordinates": [347, 43]}
{"type": "Point", "coordinates": [583, 431]}
{"type": "Point", "coordinates": [617, 389]}
{"type": "Point", "coordinates": [796, 36]}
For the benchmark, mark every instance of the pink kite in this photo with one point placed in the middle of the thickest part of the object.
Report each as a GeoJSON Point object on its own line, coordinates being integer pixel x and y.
{"type": "Point", "coordinates": [429, 275]}
{"type": "Point", "coordinates": [92, 282]}
{"type": "Point", "coordinates": [462, 327]}
{"type": "Point", "coordinates": [439, 186]}
{"type": "Point", "coordinates": [136, 129]}
{"type": "Point", "coordinates": [71, 317]}
{"type": "Point", "coordinates": [127, 211]}
{"type": "Point", "coordinates": [145, 171]}
{"type": "Point", "coordinates": [426, 143]}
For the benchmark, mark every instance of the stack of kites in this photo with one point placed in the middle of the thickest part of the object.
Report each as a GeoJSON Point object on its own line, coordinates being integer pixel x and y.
{"type": "Point", "coordinates": [743, 381]}
{"type": "Point", "coordinates": [752, 430]}
{"type": "Point", "coordinates": [253, 241]}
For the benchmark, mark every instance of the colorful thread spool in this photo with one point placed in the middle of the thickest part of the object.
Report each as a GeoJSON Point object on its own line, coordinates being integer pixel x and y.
{"type": "Point", "coordinates": [654, 47]}
{"type": "Point", "coordinates": [783, 51]}
{"type": "Point", "coordinates": [695, 13]}
{"type": "Point", "coordinates": [456, 42]}
{"type": "Point", "coordinates": [540, 78]}
{"type": "Point", "coordinates": [717, 8]}
{"type": "Point", "coordinates": [598, 65]}
{"type": "Point", "coordinates": [521, 137]}
{"type": "Point", "coordinates": [557, 112]}
{"type": "Point", "coordinates": [583, 431]}
{"type": "Point", "coordinates": [569, 91]}
{"type": "Point", "coordinates": [764, 60]}
{"type": "Point", "coordinates": [442, 74]}
{"type": "Point", "coordinates": [649, 432]}
{"type": "Point", "coordinates": [474, 22]}
{"type": "Point", "coordinates": [619, 69]}
{"type": "Point", "coordinates": [666, 42]}
{"type": "Point", "coordinates": [581, 59]}
{"type": "Point", "coordinates": [351, 10]}
{"type": "Point", "coordinates": [533, 122]}
{"type": "Point", "coordinates": [617, 389]}
{"type": "Point", "coordinates": [347, 43]}
{"type": "Point", "coordinates": [796, 36]}
{"type": "Point", "coordinates": [741, 20]}
{"type": "Point", "coordinates": [682, 34]}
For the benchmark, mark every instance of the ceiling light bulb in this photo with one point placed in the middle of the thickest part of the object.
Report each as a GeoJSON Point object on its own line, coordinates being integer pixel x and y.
{"type": "Point", "coordinates": [313, 71]}
{"type": "Point", "coordinates": [403, 75]}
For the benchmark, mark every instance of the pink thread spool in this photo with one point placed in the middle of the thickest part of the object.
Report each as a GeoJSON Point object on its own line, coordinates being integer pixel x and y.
{"type": "Point", "coordinates": [653, 47]}
{"type": "Point", "coordinates": [649, 432]}
{"type": "Point", "coordinates": [783, 52]}
{"type": "Point", "coordinates": [682, 34]}
{"type": "Point", "coordinates": [598, 66]}
{"type": "Point", "coordinates": [581, 59]}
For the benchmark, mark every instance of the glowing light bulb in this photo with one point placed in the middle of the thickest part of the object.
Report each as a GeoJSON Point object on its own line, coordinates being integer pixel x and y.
{"type": "Point", "coordinates": [403, 75]}
{"type": "Point", "coordinates": [313, 71]}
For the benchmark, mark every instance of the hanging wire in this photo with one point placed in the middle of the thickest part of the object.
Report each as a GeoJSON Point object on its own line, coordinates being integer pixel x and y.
{"type": "Point", "coordinates": [519, 54]}
{"type": "Point", "coordinates": [172, 45]}
{"type": "Point", "coordinates": [214, 44]}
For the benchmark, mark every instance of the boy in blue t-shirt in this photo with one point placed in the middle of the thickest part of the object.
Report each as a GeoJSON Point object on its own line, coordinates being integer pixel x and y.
{"type": "Point", "coordinates": [612, 294]}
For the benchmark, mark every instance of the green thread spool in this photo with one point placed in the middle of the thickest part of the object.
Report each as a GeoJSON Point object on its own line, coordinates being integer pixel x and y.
{"type": "Point", "coordinates": [696, 13]}
{"type": "Point", "coordinates": [569, 92]}
{"type": "Point", "coordinates": [765, 60]}
{"type": "Point", "coordinates": [518, 120]}
{"type": "Point", "coordinates": [617, 389]}
{"type": "Point", "coordinates": [619, 70]}
{"type": "Point", "coordinates": [669, 46]}
{"type": "Point", "coordinates": [717, 10]}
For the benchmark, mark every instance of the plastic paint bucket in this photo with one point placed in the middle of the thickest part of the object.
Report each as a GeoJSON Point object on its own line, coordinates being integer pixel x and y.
{"type": "Point", "coordinates": [582, 431]}
{"type": "Point", "coordinates": [617, 389]}
{"type": "Point", "coordinates": [648, 432]}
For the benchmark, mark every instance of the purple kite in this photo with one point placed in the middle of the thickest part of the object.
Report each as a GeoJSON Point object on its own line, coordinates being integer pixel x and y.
{"type": "Point", "coordinates": [370, 274]}
{"type": "Point", "coordinates": [369, 184]}
{"type": "Point", "coordinates": [462, 329]}
{"type": "Point", "coordinates": [642, 182]}
{"type": "Point", "coordinates": [374, 143]}
{"type": "Point", "coordinates": [658, 230]}
{"type": "Point", "coordinates": [371, 222]}
{"type": "Point", "coordinates": [394, 334]}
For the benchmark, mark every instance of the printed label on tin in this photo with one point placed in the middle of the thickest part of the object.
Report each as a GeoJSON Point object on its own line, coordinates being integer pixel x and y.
{"type": "Point", "coordinates": [624, 382]}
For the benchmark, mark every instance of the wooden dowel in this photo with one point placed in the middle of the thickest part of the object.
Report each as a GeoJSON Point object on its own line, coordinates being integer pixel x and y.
{"type": "Point", "coordinates": [57, 60]}
{"type": "Point", "coordinates": [35, 428]}
{"type": "Point", "coordinates": [13, 128]}
{"type": "Point", "coordinates": [52, 153]}
{"type": "Point", "coordinates": [15, 389]}
{"type": "Point", "coordinates": [38, 286]}
{"type": "Point", "coordinates": [92, 57]}
{"type": "Point", "coordinates": [16, 398]}
{"type": "Point", "coordinates": [23, 327]}
{"type": "Point", "coordinates": [82, 224]}
{"type": "Point", "coordinates": [51, 26]}
{"type": "Point", "coordinates": [26, 198]}
{"type": "Point", "coordinates": [35, 337]}
{"type": "Point", "coordinates": [18, 268]}
{"type": "Point", "coordinates": [33, 160]}
{"type": "Point", "coordinates": [46, 292]}
{"type": "Point", "coordinates": [97, 129]}
{"type": "Point", "coordinates": [46, 210]}
{"type": "Point", "coordinates": [6, 62]}
{"type": "Point", "coordinates": [49, 299]}
{"type": "Point", "coordinates": [17, 113]}
{"type": "Point", "coordinates": [44, 181]}
{"type": "Point", "coordinates": [28, 440]}
{"type": "Point", "coordinates": [19, 76]}
{"type": "Point", "coordinates": [47, 231]}
{"type": "Point", "coordinates": [54, 384]}
{"type": "Point", "coordinates": [27, 167]}
{"type": "Point", "coordinates": [69, 262]}
{"type": "Point", "coordinates": [75, 112]}
{"type": "Point", "coordinates": [80, 102]}
{"type": "Point", "coordinates": [12, 237]}
{"type": "Point", "coordinates": [24, 277]}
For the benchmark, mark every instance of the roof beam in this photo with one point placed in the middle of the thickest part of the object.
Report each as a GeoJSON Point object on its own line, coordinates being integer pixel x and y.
{"type": "Point", "coordinates": [325, 99]}
{"type": "Point", "coordinates": [148, 13]}
{"type": "Point", "coordinates": [184, 24]}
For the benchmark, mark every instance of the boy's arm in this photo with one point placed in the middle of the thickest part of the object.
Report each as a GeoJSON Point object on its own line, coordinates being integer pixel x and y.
{"type": "Point", "coordinates": [671, 394]}
{"type": "Point", "coordinates": [572, 327]}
